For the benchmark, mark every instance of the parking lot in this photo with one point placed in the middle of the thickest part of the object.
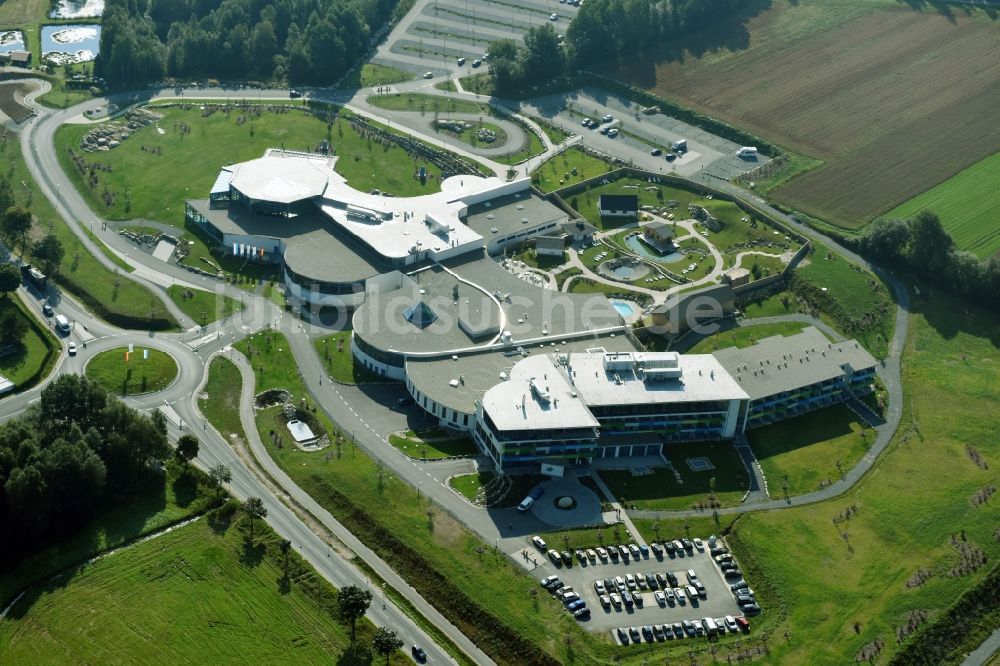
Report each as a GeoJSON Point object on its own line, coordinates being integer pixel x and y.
{"type": "Point", "coordinates": [641, 133]}
{"type": "Point", "coordinates": [649, 608]}
{"type": "Point", "coordinates": [436, 33]}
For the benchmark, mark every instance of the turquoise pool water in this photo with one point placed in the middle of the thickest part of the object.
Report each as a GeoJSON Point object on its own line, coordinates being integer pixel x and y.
{"type": "Point", "coordinates": [624, 308]}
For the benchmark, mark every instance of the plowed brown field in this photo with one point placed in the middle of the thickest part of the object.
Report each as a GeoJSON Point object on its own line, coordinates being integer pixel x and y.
{"type": "Point", "coordinates": [894, 100]}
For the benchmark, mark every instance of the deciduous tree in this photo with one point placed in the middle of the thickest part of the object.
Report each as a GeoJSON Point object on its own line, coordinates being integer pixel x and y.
{"type": "Point", "coordinates": [353, 603]}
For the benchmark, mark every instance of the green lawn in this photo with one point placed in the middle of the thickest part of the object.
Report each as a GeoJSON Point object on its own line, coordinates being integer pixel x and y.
{"type": "Point", "coordinates": [433, 446]}
{"type": "Point", "coordinates": [431, 553]}
{"type": "Point", "coordinates": [379, 75]}
{"type": "Point", "coordinates": [147, 509]}
{"type": "Point", "coordinates": [137, 376]}
{"type": "Point", "coordinates": [128, 305]}
{"type": "Point", "coordinates": [807, 448]}
{"type": "Point", "coordinates": [765, 265]}
{"type": "Point", "coordinates": [660, 490]}
{"type": "Point", "coordinates": [735, 231]}
{"type": "Point", "coordinates": [198, 594]}
{"type": "Point", "coordinates": [528, 255]}
{"type": "Point", "coordinates": [335, 352]}
{"type": "Point", "coordinates": [220, 399]}
{"type": "Point", "coordinates": [556, 135]}
{"type": "Point", "coordinates": [855, 301]}
{"type": "Point", "coordinates": [481, 84]}
{"type": "Point", "coordinates": [779, 304]}
{"type": "Point", "coordinates": [966, 205]}
{"type": "Point", "coordinates": [470, 137]}
{"type": "Point", "coordinates": [136, 176]}
{"type": "Point", "coordinates": [917, 497]}
{"type": "Point", "coordinates": [425, 103]}
{"type": "Point", "coordinates": [745, 336]}
{"type": "Point", "coordinates": [34, 356]}
{"type": "Point", "coordinates": [678, 528]}
{"type": "Point", "coordinates": [203, 306]}
{"type": "Point", "coordinates": [534, 147]}
{"type": "Point", "coordinates": [585, 202]}
{"type": "Point", "coordinates": [589, 537]}
{"type": "Point", "coordinates": [569, 166]}
{"type": "Point", "coordinates": [469, 484]}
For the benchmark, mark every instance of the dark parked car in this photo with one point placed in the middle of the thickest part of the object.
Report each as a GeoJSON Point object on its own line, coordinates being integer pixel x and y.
{"type": "Point", "coordinates": [622, 635]}
{"type": "Point", "coordinates": [294, 94]}
{"type": "Point", "coordinates": [672, 578]}
{"type": "Point", "coordinates": [734, 574]}
{"type": "Point", "coordinates": [581, 613]}
{"type": "Point", "coordinates": [647, 632]}
{"type": "Point", "coordinates": [656, 152]}
{"type": "Point", "coordinates": [651, 581]}
{"type": "Point", "coordinates": [751, 609]}
{"type": "Point", "coordinates": [566, 558]}
{"type": "Point", "coordinates": [657, 549]}
{"type": "Point", "coordinates": [537, 492]}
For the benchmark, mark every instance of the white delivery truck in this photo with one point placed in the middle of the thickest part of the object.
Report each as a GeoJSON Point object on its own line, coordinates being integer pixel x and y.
{"type": "Point", "coordinates": [679, 146]}
{"type": "Point", "coordinates": [747, 151]}
{"type": "Point", "coordinates": [62, 323]}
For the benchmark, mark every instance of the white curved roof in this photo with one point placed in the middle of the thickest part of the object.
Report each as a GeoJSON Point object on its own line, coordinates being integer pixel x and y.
{"type": "Point", "coordinates": [281, 177]}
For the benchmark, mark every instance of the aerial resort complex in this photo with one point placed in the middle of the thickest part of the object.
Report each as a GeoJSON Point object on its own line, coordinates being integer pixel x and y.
{"type": "Point", "coordinates": [535, 376]}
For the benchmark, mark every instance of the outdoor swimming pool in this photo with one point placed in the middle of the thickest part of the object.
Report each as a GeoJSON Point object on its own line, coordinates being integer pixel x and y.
{"type": "Point", "coordinates": [624, 308]}
{"type": "Point", "coordinates": [635, 244]}
{"type": "Point", "coordinates": [77, 9]}
{"type": "Point", "coordinates": [63, 44]}
{"type": "Point", "coordinates": [11, 40]}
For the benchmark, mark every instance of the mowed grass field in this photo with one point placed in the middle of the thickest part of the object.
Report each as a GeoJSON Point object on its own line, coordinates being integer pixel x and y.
{"type": "Point", "coordinates": [194, 595]}
{"type": "Point", "coordinates": [807, 448]}
{"type": "Point", "coordinates": [891, 98]}
{"type": "Point", "coordinates": [918, 495]}
{"type": "Point", "coordinates": [967, 205]}
{"type": "Point", "coordinates": [138, 375]}
{"type": "Point", "coordinates": [193, 159]}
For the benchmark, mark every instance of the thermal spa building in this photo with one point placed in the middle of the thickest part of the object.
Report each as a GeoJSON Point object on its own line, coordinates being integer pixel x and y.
{"type": "Point", "coordinates": [534, 375]}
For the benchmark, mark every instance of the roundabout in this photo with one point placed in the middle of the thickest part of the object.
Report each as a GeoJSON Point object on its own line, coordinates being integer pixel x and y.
{"type": "Point", "coordinates": [124, 373]}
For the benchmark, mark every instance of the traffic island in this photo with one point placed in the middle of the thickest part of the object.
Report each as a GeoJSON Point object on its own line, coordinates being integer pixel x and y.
{"type": "Point", "coordinates": [132, 372]}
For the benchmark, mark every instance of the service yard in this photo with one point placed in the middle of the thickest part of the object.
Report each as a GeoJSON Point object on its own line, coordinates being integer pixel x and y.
{"type": "Point", "coordinates": [662, 600]}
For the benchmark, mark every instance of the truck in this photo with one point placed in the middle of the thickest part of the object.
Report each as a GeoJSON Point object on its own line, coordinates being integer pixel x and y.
{"type": "Point", "coordinates": [711, 628]}
{"type": "Point", "coordinates": [34, 276]}
{"type": "Point", "coordinates": [679, 146]}
{"type": "Point", "coordinates": [747, 151]}
{"type": "Point", "coordinates": [62, 323]}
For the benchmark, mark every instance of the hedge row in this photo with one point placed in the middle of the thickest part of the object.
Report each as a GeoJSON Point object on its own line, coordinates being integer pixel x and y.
{"type": "Point", "coordinates": [485, 629]}
{"type": "Point", "coordinates": [51, 349]}
{"type": "Point", "coordinates": [959, 629]}
{"type": "Point", "coordinates": [690, 116]}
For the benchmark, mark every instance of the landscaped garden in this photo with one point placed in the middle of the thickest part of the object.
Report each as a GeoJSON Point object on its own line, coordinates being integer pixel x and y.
{"type": "Point", "coordinates": [433, 444]}
{"type": "Point", "coordinates": [203, 307]}
{"type": "Point", "coordinates": [568, 167]}
{"type": "Point", "coordinates": [144, 370]}
{"type": "Point", "coordinates": [680, 487]}
{"type": "Point", "coordinates": [335, 352]}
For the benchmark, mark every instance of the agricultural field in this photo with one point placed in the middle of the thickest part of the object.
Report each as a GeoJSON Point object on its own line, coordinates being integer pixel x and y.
{"type": "Point", "coordinates": [870, 88]}
{"type": "Point", "coordinates": [138, 604]}
{"type": "Point", "coordinates": [967, 205]}
{"type": "Point", "coordinates": [917, 523]}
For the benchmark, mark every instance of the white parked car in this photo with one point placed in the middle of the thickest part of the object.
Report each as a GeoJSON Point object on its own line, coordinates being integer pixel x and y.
{"type": "Point", "coordinates": [660, 597]}
{"type": "Point", "coordinates": [539, 543]}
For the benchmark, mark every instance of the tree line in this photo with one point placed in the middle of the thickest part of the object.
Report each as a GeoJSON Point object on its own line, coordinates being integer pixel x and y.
{"type": "Point", "coordinates": [73, 452]}
{"type": "Point", "coordinates": [921, 245]}
{"type": "Point", "coordinates": [604, 31]}
{"type": "Point", "coordinates": [302, 41]}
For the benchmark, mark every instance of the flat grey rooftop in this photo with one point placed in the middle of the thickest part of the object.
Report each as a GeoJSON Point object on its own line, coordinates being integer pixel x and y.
{"type": "Point", "coordinates": [528, 312]}
{"type": "Point", "coordinates": [314, 247]}
{"type": "Point", "coordinates": [532, 311]}
{"type": "Point", "coordinates": [779, 363]}
{"type": "Point", "coordinates": [480, 371]}
{"type": "Point", "coordinates": [511, 214]}
{"type": "Point", "coordinates": [381, 320]}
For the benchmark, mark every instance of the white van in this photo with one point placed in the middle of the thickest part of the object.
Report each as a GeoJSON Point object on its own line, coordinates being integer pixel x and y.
{"type": "Point", "coordinates": [526, 504]}
{"type": "Point", "coordinates": [62, 323]}
{"type": "Point", "coordinates": [711, 628]}
{"type": "Point", "coordinates": [747, 151]}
